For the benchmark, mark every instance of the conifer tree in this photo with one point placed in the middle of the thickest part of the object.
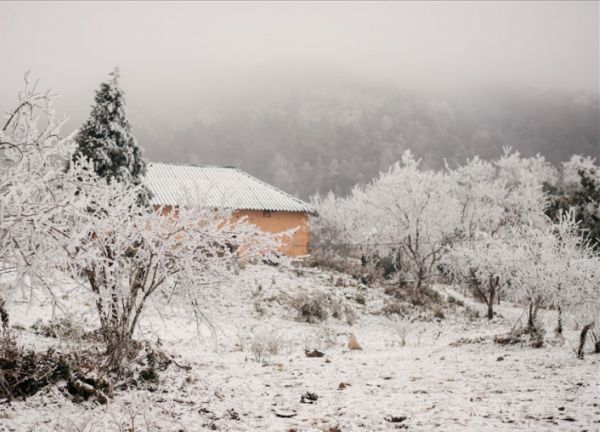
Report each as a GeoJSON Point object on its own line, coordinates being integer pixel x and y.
{"type": "Point", "coordinates": [107, 141]}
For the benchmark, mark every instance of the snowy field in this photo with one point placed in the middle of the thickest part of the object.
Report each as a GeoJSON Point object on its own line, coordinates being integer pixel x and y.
{"type": "Point", "coordinates": [225, 378]}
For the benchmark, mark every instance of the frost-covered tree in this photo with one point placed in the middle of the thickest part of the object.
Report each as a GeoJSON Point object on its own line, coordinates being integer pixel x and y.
{"type": "Point", "coordinates": [584, 300]}
{"type": "Point", "coordinates": [484, 263]}
{"type": "Point", "coordinates": [479, 193]}
{"type": "Point", "coordinates": [107, 141]}
{"type": "Point", "coordinates": [553, 268]}
{"type": "Point", "coordinates": [406, 212]}
{"type": "Point", "coordinates": [412, 211]}
{"type": "Point", "coordinates": [339, 229]}
{"type": "Point", "coordinates": [36, 192]}
{"type": "Point", "coordinates": [579, 189]}
{"type": "Point", "coordinates": [126, 256]}
{"type": "Point", "coordinates": [415, 214]}
{"type": "Point", "coordinates": [499, 194]}
{"type": "Point", "coordinates": [495, 197]}
{"type": "Point", "coordinates": [571, 269]}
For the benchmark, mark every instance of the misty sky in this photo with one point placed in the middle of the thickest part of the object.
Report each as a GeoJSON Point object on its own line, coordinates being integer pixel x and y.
{"type": "Point", "coordinates": [178, 59]}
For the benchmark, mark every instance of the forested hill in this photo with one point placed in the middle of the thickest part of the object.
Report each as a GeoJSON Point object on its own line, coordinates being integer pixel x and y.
{"type": "Point", "coordinates": [316, 141]}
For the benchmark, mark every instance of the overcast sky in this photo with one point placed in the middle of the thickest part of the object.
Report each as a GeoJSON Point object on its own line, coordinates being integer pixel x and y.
{"type": "Point", "coordinates": [179, 55]}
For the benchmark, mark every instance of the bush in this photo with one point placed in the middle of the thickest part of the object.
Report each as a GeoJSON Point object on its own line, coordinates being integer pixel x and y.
{"type": "Point", "coordinates": [531, 336]}
{"type": "Point", "coordinates": [321, 339]}
{"type": "Point", "coordinates": [402, 328]}
{"type": "Point", "coordinates": [59, 329]}
{"type": "Point", "coordinates": [454, 300]}
{"type": "Point", "coordinates": [343, 311]}
{"type": "Point", "coordinates": [312, 307]}
{"type": "Point", "coordinates": [395, 307]}
{"type": "Point", "coordinates": [318, 306]}
{"type": "Point", "coordinates": [266, 344]}
{"type": "Point", "coordinates": [25, 372]}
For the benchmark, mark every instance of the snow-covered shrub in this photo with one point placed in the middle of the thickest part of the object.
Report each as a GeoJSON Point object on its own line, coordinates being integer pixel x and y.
{"type": "Point", "coordinates": [265, 344]}
{"type": "Point", "coordinates": [401, 327]}
{"type": "Point", "coordinates": [343, 311]}
{"type": "Point", "coordinates": [63, 329]}
{"type": "Point", "coordinates": [396, 307]}
{"type": "Point", "coordinates": [323, 338]}
{"type": "Point", "coordinates": [311, 307]}
{"type": "Point", "coordinates": [317, 306]}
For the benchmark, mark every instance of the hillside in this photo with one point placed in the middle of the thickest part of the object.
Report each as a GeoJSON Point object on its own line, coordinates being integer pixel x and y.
{"type": "Point", "coordinates": [246, 368]}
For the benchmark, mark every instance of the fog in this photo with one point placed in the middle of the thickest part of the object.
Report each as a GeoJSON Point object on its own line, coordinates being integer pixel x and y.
{"type": "Point", "coordinates": [199, 76]}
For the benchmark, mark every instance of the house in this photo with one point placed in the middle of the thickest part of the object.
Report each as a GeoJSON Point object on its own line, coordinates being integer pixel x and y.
{"type": "Point", "coordinates": [265, 206]}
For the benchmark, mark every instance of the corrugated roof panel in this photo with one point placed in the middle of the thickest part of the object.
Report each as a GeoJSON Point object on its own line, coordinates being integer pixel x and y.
{"type": "Point", "coordinates": [219, 187]}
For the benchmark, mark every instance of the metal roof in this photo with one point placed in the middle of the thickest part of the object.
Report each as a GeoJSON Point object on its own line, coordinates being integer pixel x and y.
{"type": "Point", "coordinates": [218, 187]}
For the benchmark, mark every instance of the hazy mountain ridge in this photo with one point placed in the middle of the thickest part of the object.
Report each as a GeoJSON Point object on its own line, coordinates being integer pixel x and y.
{"type": "Point", "coordinates": [330, 139]}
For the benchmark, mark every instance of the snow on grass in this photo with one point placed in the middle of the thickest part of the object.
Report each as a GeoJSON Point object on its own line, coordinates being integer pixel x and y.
{"type": "Point", "coordinates": [435, 383]}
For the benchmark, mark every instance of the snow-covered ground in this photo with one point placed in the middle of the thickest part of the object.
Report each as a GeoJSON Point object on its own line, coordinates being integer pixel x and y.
{"type": "Point", "coordinates": [435, 383]}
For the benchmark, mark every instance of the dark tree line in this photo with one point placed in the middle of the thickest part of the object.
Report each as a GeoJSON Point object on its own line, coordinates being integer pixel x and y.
{"type": "Point", "coordinates": [308, 143]}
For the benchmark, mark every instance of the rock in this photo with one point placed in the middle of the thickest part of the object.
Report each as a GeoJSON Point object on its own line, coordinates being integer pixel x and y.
{"type": "Point", "coordinates": [561, 408]}
{"type": "Point", "coordinates": [353, 343]}
{"type": "Point", "coordinates": [309, 398]}
{"type": "Point", "coordinates": [500, 358]}
{"type": "Point", "coordinates": [314, 353]}
{"type": "Point", "coordinates": [285, 414]}
{"type": "Point", "coordinates": [232, 414]}
{"type": "Point", "coordinates": [85, 388]}
{"type": "Point", "coordinates": [395, 419]}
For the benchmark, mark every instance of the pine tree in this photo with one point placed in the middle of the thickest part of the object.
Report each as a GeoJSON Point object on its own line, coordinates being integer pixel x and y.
{"type": "Point", "coordinates": [107, 141]}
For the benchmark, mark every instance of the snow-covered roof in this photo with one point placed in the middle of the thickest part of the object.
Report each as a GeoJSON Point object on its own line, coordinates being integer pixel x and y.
{"type": "Point", "coordinates": [218, 187]}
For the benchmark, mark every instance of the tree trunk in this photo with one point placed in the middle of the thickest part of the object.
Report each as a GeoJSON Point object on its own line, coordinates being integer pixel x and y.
{"type": "Point", "coordinates": [3, 318]}
{"type": "Point", "coordinates": [493, 284]}
{"type": "Point", "coordinates": [530, 321]}
{"type": "Point", "coordinates": [419, 281]}
{"type": "Point", "coordinates": [559, 326]}
{"type": "Point", "coordinates": [582, 338]}
{"type": "Point", "coordinates": [490, 311]}
{"type": "Point", "coordinates": [119, 346]}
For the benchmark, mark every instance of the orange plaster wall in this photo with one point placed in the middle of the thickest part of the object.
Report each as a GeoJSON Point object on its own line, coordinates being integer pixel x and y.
{"type": "Point", "coordinates": [276, 222]}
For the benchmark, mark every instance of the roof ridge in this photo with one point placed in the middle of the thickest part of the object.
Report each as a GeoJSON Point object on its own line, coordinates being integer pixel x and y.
{"type": "Point", "coordinates": [194, 165]}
